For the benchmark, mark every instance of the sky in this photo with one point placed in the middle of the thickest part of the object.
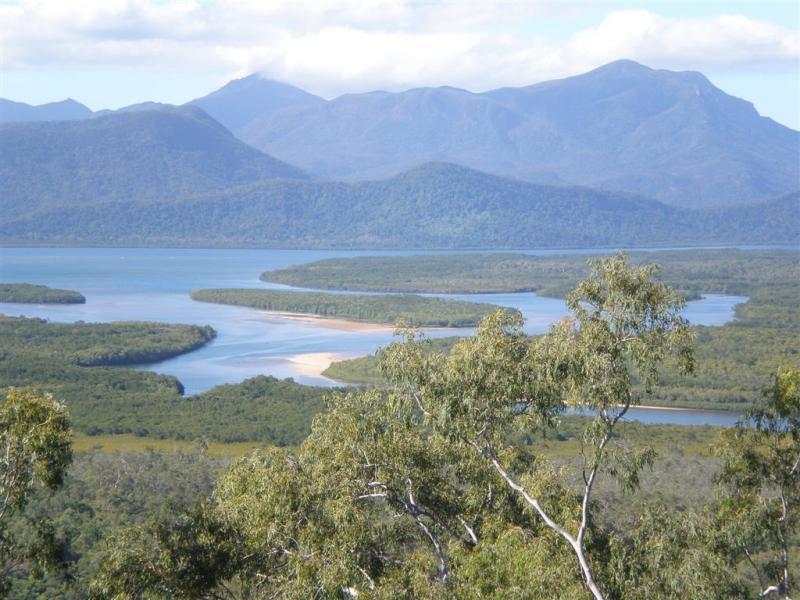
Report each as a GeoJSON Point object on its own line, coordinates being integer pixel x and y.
{"type": "Point", "coordinates": [112, 53]}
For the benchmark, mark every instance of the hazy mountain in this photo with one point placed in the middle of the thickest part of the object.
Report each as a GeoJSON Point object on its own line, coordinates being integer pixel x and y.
{"type": "Point", "coordinates": [65, 110]}
{"type": "Point", "coordinates": [137, 155]}
{"type": "Point", "coordinates": [669, 135]}
{"type": "Point", "coordinates": [137, 107]}
{"type": "Point", "coordinates": [433, 206]}
{"type": "Point", "coordinates": [241, 101]}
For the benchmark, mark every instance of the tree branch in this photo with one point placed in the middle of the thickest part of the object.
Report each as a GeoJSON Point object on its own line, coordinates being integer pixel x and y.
{"type": "Point", "coordinates": [586, 570]}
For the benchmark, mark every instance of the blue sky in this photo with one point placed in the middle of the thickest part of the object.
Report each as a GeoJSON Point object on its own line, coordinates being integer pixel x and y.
{"type": "Point", "coordinates": [110, 53]}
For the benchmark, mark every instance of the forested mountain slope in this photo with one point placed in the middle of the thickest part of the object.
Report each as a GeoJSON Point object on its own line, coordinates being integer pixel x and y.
{"type": "Point", "coordinates": [135, 155]}
{"type": "Point", "coordinates": [669, 135]}
{"type": "Point", "coordinates": [672, 136]}
{"type": "Point", "coordinates": [434, 206]}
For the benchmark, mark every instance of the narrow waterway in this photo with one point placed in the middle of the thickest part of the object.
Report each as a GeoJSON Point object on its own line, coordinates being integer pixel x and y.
{"type": "Point", "coordinates": [154, 285]}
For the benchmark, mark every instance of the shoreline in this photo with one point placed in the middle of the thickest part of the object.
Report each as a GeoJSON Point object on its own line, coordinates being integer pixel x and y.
{"type": "Point", "coordinates": [314, 367]}
{"type": "Point", "coordinates": [312, 364]}
{"type": "Point", "coordinates": [329, 322]}
{"type": "Point", "coordinates": [685, 409]}
{"type": "Point", "coordinates": [347, 325]}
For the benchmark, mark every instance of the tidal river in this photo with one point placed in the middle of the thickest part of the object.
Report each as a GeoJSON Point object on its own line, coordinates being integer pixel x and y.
{"type": "Point", "coordinates": [154, 285]}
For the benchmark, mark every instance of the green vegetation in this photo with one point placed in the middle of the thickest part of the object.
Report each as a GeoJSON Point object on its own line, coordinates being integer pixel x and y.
{"type": "Point", "coordinates": [693, 272]}
{"type": "Point", "coordinates": [128, 442]}
{"type": "Point", "coordinates": [361, 370]}
{"type": "Point", "coordinates": [38, 294]}
{"type": "Point", "coordinates": [367, 369]}
{"type": "Point", "coordinates": [99, 344]}
{"type": "Point", "coordinates": [761, 481]}
{"type": "Point", "coordinates": [461, 479]}
{"type": "Point", "coordinates": [122, 480]}
{"type": "Point", "coordinates": [435, 206]}
{"type": "Point", "coordinates": [133, 156]}
{"type": "Point", "coordinates": [103, 493]}
{"type": "Point", "coordinates": [36, 452]}
{"type": "Point", "coordinates": [261, 409]}
{"type": "Point", "coordinates": [54, 358]}
{"type": "Point", "coordinates": [733, 361]}
{"type": "Point", "coordinates": [436, 487]}
{"type": "Point", "coordinates": [417, 311]}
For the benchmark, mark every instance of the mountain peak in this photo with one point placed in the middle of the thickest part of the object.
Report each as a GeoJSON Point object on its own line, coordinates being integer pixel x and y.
{"type": "Point", "coordinates": [62, 110]}
{"type": "Point", "coordinates": [240, 101]}
{"type": "Point", "coordinates": [251, 81]}
{"type": "Point", "coordinates": [624, 65]}
{"type": "Point", "coordinates": [624, 126]}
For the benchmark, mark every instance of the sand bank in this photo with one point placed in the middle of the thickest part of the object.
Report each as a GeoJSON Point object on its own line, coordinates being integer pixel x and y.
{"type": "Point", "coordinates": [354, 326]}
{"type": "Point", "coordinates": [313, 364]}
{"type": "Point", "coordinates": [330, 323]}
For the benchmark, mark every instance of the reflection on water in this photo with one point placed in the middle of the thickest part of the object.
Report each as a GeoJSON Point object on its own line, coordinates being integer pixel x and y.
{"type": "Point", "coordinates": [673, 416]}
{"type": "Point", "coordinates": [152, 284]}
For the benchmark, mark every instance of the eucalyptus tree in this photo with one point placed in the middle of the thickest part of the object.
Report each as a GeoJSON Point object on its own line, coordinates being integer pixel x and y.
{"type": "Point", "coordinates": [602, 359]}
{"type": "Point", "coordinates": [429, 490]}
{"type": "Point", "coordinates": [35, 449]}
{"type": "Point", "coordinates": [415, 512]}
{"type": "Point", "coordinates": [672, 555]}
{"type": "Point", "coordinates": [760, 481]}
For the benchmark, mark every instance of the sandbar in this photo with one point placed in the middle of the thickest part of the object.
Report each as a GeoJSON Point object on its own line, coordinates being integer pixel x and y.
{"type": "Point", "coordinates": [351, 326]}
{"type": "Point", "coordinates": [312, 364]}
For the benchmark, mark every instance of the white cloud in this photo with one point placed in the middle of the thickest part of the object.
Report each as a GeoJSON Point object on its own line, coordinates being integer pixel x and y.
{"type": "Point", "coordinates": [719, 40]}
{"type": "Point", "coordinates": [333, 46]}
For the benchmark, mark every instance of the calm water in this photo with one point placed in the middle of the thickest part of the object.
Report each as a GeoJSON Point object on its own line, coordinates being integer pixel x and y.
{"type": "Point", "coordinates": [153, 284]}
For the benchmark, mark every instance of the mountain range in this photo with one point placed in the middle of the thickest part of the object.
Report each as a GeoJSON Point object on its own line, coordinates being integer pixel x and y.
{"type": "Point", "coordinates": [438, 205]}
{"type": "Point", "coordinates": [623, 155]}
{"type": "Point", "coordinates": [128, 155]}
{"type": "Point", "coordinates": [65, 110]}
{"type": "Point", "coordinates": [669, 135]}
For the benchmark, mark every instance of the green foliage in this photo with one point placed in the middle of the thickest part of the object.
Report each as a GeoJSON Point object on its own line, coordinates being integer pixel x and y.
{"type": "Point", "coordinates": [417, 311]}
{"type": "Point", "coordinates": [156, 560]}
{"type": "Point", "coordinates": [669, 555]}
{"type": "Point", "coordinates": [694, 272]}
{"type": "Point", "coordinates": [99, 344]}
{"type": "Point", "coordinates": [300, 525]}
{"type": "Point", "coordinates": [761, 486]}
{"type": "Point", "coordinates": [437, 206]}
{"type": "Point", "coordinates": [105, 494]}
{"type": "Point", "coordinates": [38, 294]}
{"type": "Point", "coordinates": [54, 356]}
{"type": "Point", "coordinates": [260, 409]}
{"type": "Point", "coordinates": [136, 156]}
{"type": "Point", "coordinates": [434, 489]}
{"type": "Point", "coordinates": [361, 370]}
{"type": "Point", "coordinates": [732, 361]}
{"type": "Point", "coordinates": [35, 445]}
{"type": "Point", "coordinates": [35, 449]}
{"type": "Point", "coordinates": [501, 382]}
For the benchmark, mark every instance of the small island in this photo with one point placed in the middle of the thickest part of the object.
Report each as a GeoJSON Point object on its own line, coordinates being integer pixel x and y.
{"type": "Point", "coordinates": [28, 293]}
{"type": "Point", "coordinates": [692, 273]}
{"type": "Point", "coordinates": [98, 344]}
{"type": "Point", "coordinates": [389, 309]}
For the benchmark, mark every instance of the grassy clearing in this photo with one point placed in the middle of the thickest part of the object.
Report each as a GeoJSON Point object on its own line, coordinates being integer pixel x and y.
{"type": "Point", "coordinates": [132, 443]}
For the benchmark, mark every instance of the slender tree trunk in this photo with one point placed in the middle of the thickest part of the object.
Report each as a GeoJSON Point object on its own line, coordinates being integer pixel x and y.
{"type": "Point", "coordinates": [577, 547]}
